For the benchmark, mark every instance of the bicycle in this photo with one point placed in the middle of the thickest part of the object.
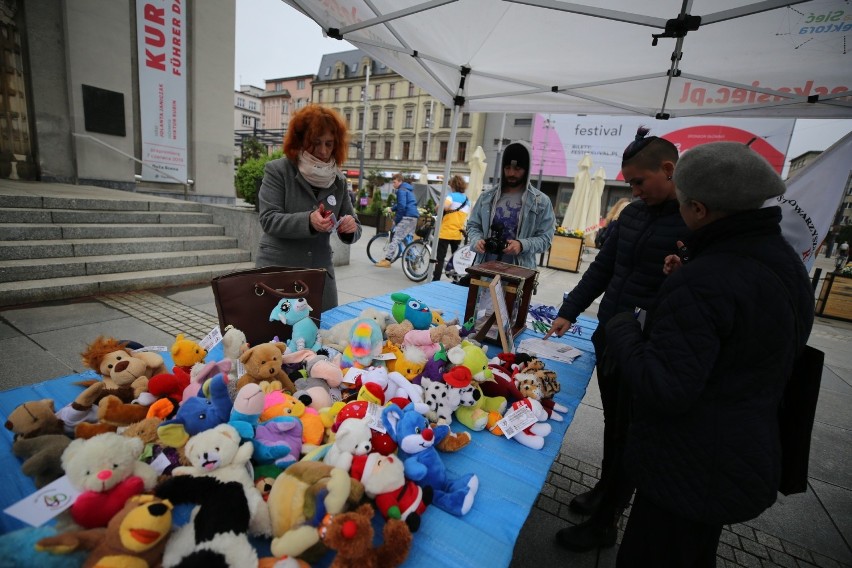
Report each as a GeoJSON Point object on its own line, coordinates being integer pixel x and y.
{"type": "Point", "coordinates": [416, 254]}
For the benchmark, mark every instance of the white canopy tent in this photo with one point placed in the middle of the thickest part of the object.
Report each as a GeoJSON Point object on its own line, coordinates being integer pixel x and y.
{"type": "Point", "coordinates": [677, 58]}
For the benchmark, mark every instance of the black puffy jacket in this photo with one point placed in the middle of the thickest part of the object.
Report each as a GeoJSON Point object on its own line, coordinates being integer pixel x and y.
{"type": "Point", "coordinates": [707, 376]}
{"type": "Point", "coordinates": [629, 268]}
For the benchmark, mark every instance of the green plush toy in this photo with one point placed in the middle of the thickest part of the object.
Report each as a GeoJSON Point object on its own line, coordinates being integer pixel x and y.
{"type": "Point", "coordinates": [474, 415]}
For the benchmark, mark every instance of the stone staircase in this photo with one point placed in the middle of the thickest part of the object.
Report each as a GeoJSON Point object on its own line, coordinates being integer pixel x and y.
{"type": "Point", "coordinates": [59, 246]}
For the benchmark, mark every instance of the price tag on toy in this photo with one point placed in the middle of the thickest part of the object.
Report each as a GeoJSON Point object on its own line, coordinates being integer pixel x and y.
{"type": "Point", "coordinates": [352, 375]}
{"type": "Point", "coordinates": [212, 339]}
{"type": "Point", "coordinates": [517, 420]}
{"type": "Point", "coordinates": [151, 348]}
{"type": "Point", "coordinates": [46, 503]}
{"type": "Point", "coordinates": [374, 418]}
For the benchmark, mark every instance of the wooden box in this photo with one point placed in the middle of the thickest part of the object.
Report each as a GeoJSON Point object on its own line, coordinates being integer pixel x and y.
{"type": "Point", "coordinates": [835, 297]}
{"type": "Point", "coordinates": [565, 253]}
{"type": "Point", "coordinates": [517, 283]}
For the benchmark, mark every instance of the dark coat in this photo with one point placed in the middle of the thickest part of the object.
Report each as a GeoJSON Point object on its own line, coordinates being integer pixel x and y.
{"type": "Point", "coordinates": [286, 201]}
{"type": "Point", "coordinates": [629, 268]}
{"type": "Point", "coordinates": [706, 379]}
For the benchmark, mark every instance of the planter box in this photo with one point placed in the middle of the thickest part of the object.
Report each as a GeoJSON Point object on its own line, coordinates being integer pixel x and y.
{"type": "Point", "coordinates": [565, 253]}
{"type": "Point", "coordinates": [367, 219]}
{"type": "Point", "coordinates": [835, 297]}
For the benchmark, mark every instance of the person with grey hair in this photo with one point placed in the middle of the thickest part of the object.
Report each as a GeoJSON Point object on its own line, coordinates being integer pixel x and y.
{"type": "Point", "coordinates": [707, 373]}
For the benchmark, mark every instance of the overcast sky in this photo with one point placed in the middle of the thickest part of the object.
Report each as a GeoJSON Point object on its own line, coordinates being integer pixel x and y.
{"type": "Point", "coordinates": [274, 40]}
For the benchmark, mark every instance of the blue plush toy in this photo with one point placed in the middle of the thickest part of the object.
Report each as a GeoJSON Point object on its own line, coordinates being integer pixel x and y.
{"type": "Point", "coordinates": [295, 312]}
{"type": "Point", "coordinates": [407, 308]}
{"type": "Point", "coordinates": [417, 441]}
{"type": "Point", "coordinates": [198, 413]}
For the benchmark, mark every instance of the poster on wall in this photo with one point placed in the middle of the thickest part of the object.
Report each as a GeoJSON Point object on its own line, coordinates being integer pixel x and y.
{"type": "Point", "coordinates": [161, 35]}
{"type": "Point", "coordinates": [563, 139]}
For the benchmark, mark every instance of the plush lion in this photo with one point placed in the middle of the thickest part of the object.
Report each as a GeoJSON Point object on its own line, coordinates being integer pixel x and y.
{"type": "Point", "coordinates": [124, 373]}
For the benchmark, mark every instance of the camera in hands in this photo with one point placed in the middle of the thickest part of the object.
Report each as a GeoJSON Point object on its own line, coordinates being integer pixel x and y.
{"type": "Point", "coordinates": [495, 243]}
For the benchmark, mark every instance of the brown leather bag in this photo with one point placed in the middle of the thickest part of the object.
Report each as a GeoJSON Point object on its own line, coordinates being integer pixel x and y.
{"type": "Point", "coordinates": [244, 299]}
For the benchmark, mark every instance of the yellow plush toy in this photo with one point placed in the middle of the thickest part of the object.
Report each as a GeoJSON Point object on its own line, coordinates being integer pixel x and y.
{"type": "Point", "coordinates": [186, 352]}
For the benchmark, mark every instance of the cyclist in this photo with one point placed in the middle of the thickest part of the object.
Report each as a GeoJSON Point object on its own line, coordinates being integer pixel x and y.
{"type": "Point", "coordinates": [456, 208]}
{"type": "Point", "coordinates": [405, 218]}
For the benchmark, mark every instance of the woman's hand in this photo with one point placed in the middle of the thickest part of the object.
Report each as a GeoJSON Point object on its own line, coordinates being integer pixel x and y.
{"type": "Point", "coordinates": [320, 222]}
{"type": "Point", "coordinates": [673, 261]}
{"type": "Point", "coordinates": [347, 224]}
{"type": "Point", "coordinates": [558, 328]}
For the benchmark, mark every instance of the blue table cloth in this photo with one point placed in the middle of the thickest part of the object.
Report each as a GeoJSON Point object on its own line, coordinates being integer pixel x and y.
{"type": "Point", "coordinates": [511, 476]}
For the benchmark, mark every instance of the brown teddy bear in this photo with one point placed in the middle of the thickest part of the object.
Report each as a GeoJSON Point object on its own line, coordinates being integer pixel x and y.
{"type": "Point", "coordinates": [264, 362]}
{"type": "Point", "coordinates": [135, 536]}
{"type": "Point", "coordinates": [112, 415]}
{"type": "Point", "coordinates": [351, 535]}
{"type": "Point", "coordinates": [124, 373]}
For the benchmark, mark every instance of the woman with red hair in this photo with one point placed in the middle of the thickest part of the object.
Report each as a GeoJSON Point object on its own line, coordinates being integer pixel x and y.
{"type": "Point", "coordinates": [303, 197]}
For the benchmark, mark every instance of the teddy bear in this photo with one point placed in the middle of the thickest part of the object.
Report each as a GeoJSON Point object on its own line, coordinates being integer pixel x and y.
{"type": "Point", "coordinates": [112, 414]}
{"type": "Point", "coordinates": [338, 336]}
{"type": "Point", "coordinates": [423, 465]}
{"type": "Point", "coordinates": [430, 341]}
{"type": "Point", "coordinates": [264, 362]}
{"type": "Point", "coordinates": [395, 496]}
{"type": "Point", "coordinates": [123, 372]}
{"type": "Point", "coordinates": [297, 495]}
{"type": "Point", "coordinates": [217, 453]}
{"type": "Point", "coordinates": [108, 471]}
{"type": "Point", "coordinates": [42, 457]}
{"type": "Point", "coordinates": [218, 532]}
{"type": "Point", "coordinates": [353, 438]}
{"type": "Point", "coordinates": [135, 536]}
{"type": "Point", "coordinates": [351, 535]}
{"type": "Point", "coordinates": [186, 353]}
{"type": "Point", "coordinates": [38, 417]}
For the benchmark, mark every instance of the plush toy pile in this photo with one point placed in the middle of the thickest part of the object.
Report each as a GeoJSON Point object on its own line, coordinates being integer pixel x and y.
{"type": "Point", "coordinates": [298, 441]}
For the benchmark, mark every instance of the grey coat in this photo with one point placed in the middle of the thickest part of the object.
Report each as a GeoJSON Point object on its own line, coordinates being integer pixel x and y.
{"type": "Point", "coordinates": [286, 201]}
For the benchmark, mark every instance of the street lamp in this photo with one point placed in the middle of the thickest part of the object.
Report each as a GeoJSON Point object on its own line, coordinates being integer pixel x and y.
{"type": "Point", "coordinates": [547, 126]}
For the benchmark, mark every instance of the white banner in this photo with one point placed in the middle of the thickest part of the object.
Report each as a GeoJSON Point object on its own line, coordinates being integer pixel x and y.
{"type": "Point", "coordinates": [161, 43]}
{"type": "Point", "coordinates": [564, 139]}
{"type": "Point", "coordinates": [812, 198]}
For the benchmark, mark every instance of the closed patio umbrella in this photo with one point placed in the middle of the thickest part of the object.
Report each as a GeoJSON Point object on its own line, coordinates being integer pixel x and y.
{"type": "Point", "coordinates": [593, 217]}
{"type": "Point", "coordinates": [477, 174]}
{"type": "Point", "coordinates": [578, 208]}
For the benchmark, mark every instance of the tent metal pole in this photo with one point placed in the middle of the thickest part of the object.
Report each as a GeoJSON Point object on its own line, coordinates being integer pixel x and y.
{"type": "Point", "coordinates": [439, 207]}
{"type": "Point", "coordinates": [497, 172]}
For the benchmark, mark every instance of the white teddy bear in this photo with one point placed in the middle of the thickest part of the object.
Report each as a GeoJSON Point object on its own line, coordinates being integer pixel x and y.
{"type": "Point", "coordinates": [217, 453]}
{"type": "Point", "coordinates": [353, 438]}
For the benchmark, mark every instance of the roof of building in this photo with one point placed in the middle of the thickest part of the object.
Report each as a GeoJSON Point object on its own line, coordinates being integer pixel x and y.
{"type": "Point", "coordinates": [351, 61]}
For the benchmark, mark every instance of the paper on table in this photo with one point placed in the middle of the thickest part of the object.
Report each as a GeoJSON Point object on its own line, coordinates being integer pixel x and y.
{"type": "Point", "coordinates": [552, 350]}
{"type": "Point", "coordinates": [46, 503]}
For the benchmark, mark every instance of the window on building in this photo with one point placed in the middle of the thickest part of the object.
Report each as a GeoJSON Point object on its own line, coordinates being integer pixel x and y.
{"type": "Point", "coordinates": [445, 121]}
{"type": "Point", "coordinates": [427, 120]}
{"type": "Point", "coordinates": [377, 92]}
{"type": "Point", "coordinates": [285, 105]}
{"type": "Point", "coordinates": [462, 153]}
{"type": "Point", "coordinates": [391, 90]}
{"type": "Point", "coordinates": [523, 122]}
{"type": "Point", "coordinates": [319, 96]}
{"type": "Point", "coordinates": [241, 102]}
{"type": "Point", "coordinates": [373, 150]}
{"type": "Point", "coordinates": [278, 87]}
{"type": "Point", "coordinates": [387, 149]}
{"type": "Point", "coordinates": [423, 149]}
{"type": "Point", "coordinates": [360, 120]}
{"type": "Point", "coordinates": [410, 89]}
{"type": "Point", "coordinates": [300, 84]}
{"type": "Point", "coordinates": [406, 150]}
{"type": "Point", "coordinates": [389, 119]}
{"type": "Point", "coordinates": [252, 105]}
{"type": "Point", "coordinates": [328, 71]}
{"type": "Point", "coordinates": [442, 152]}
{"type": "Point", "coordinates": [348, 117]}
{"type": "Point", "coordinates": [247, 120]}
{"type": "Point", "coordinates": [375, 121]}
{"type": "Point", "coordinates": [465, 121]}
{"type": "Point", "coordinates": [409, 118]}
{"type": "Point", "coordinates": [336, 95]}
{"type": "Point", "coordinates": [348, 93]}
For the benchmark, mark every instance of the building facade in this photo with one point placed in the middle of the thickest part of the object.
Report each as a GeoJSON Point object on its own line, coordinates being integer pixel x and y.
{"type": "Point", "coordinates": [80, 119]}
{"type": "Point", "coordinates": [248, 108]}
{"type": "Point", "coordinates": [400, 127]}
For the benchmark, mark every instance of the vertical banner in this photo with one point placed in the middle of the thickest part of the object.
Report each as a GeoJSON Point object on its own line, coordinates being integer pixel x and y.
{"type": "Point", "coordinates": [812, 198]}
{"type": "Point", "coordinates": [161, 33]}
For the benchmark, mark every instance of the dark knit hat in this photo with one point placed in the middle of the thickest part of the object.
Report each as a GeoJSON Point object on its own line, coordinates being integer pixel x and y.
{"type": "Point", "coordinates": [516, 153]}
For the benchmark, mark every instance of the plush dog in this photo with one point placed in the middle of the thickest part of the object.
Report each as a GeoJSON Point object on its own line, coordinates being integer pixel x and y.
{"type": "Point", "coordinates": [218, 453]}
{"type": "Point", "coordinates": [135, 536]}
{"type": "Point", "coordinates": [216, 534]}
